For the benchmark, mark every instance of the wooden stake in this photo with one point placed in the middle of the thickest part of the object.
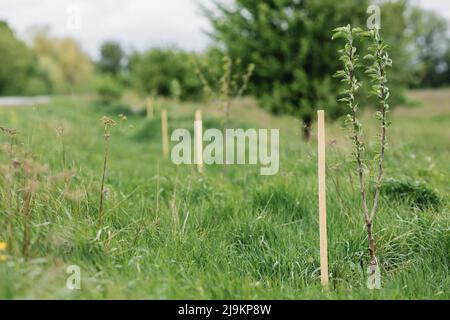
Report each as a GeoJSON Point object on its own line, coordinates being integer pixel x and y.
{"type": "Point", "coordinates": [322, 199]}
{"type": "Point", "coordinates": [149, 108]}
{"type": "Point", "coordinates": [199, 140]}
{"type": "Point", "coordinates": [165, 134]}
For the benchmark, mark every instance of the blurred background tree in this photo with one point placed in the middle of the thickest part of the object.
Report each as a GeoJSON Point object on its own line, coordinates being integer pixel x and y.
{"type": "Point", "coordinates": [68, 68]}
{"type": "Point", "coordinates": [111, 78]}
{"type": "Point", "coordinates": [394, 26]}
{"type": "Point", "coordinates": [16, 63]}
{"type": "Point", "coordinates": [112, 58]}
{"type": "Point", "coordinates": [430, 48]}
{"type": "Point", "coordinates": [287, 40]}
{"type": "Point", "coordinates": [289, 43]}
{"type": "Point", "coordinates": [166, 72]}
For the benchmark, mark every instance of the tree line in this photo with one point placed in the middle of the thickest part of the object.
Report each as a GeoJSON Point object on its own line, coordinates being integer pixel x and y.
{"type": "Point", "coordinates": [289, 43]}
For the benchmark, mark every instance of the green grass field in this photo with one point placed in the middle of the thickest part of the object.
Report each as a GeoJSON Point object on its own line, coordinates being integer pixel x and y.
{"type": "Point", "coordinates": [169, 232]}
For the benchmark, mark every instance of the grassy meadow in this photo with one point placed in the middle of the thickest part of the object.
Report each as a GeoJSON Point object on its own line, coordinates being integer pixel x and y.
{"type": "Point", "coordinates": [169, 232]}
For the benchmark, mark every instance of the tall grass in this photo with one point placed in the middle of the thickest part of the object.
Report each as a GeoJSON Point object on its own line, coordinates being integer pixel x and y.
{"type": "Point", "coordinates": [170, 233]}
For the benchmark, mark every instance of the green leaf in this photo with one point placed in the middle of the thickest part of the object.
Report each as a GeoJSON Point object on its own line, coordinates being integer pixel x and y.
{"type": "Point", "coordinates": [338, 35]}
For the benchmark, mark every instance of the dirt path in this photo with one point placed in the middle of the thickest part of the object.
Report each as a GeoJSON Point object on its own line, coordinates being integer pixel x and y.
{"type": "Point", "coordinates": [23, 101]}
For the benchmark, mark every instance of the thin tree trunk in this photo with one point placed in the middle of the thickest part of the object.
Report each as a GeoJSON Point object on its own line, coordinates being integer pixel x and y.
{"type": "Point", "coordinates": [371, 242]}
{"type": "Point", "coordinates": [307, 129]}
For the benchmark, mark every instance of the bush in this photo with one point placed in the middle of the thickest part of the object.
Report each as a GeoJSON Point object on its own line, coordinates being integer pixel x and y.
{"type": "Point", "coordinates": [416, 193]}
{"type": "Point", "coordinates": [63, 63]}
{"type": "Point", "coordinates": [279, 201]}
{"type": "Point", "coordinates": [37, 86]}
{"type": "Point", "coordinates": [108, 88]}
{"type": "Point", "coordinates": [175, 89]}
{"type": "Point", "coordinates": [16, 62]}
{"type": "Point", "coordinates": [289, 43]}
{"type": "Point", "coordinates": [166, 72]}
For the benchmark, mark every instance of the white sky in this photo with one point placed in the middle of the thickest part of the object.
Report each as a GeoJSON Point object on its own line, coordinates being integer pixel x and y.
{"type": "Point", "coordinates": [138, 24]}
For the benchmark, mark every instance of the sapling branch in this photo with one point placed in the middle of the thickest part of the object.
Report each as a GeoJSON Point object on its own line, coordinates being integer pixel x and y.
{"type": "Point", "coordinates": [377, 72]}
{"type": "Point", "coordinates": [380, 89]}
{"type": "Point", "coordinates": [351, 61]}
{"type": "Point", "coordinates": [232, 84]}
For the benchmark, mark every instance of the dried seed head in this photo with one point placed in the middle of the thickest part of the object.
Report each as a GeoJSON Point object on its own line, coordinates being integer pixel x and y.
{"type": "Point", "coordinates": [60, 131]}
{"type": "Point", "coordinates": [31, 186]}
{"type": "Point", "coordinates": [108, 122]}
{"type": "Point", "coordinates": [15, 163]}
{"type": "Point", "coordinates": [32, 168]}
{"type": "Point", "coordinates": [75, 195]}
{"type": "Point", "coordinates": [65, 176]}
{"type": "Point", "coordinates": [8, 131]}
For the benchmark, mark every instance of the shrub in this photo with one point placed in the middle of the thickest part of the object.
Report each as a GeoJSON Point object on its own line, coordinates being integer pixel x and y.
{"type": "Point", "coordinates": [166, 72]}
{"type": "Point", "coordinates": [108, 88]}
{"type": "Point", "coordinates": [416, 193]}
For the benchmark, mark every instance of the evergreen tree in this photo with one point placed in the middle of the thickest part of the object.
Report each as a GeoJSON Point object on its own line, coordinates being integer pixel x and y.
{"type": "Point", "coordinates": [112, 58]}
{"type": "Point", "coordinates": [16, 62]}
{"type": "Point", "coordinates": [289, 41]}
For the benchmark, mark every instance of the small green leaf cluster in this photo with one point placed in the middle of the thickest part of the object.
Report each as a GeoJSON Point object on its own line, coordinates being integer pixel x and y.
{"type": "Point", "coordinates": [379, 61]}
{"type": "Point", "coordinates": [233, 83]}
{"type": "Point", "coordinates": [351, 62]}
{"type": "Point", "coordinates": [377, 72]}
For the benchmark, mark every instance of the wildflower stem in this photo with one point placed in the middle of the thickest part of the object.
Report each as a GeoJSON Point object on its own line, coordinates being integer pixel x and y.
{"type": "Point", "coordinates": [381, 61]}
{"type": "Point", "coordinates": [102, 187]}
{"type": "Point", "coordinates": [107, 124]}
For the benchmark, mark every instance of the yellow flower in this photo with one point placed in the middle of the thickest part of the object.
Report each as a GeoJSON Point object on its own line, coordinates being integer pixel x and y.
{"type": "Point", "coordinates": [2, 257]}
{"type": "Point", "coordinates": [3, 245]}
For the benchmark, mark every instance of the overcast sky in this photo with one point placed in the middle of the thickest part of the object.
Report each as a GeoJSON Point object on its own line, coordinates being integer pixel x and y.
{"type": "Point", "coordinates": [138, 24]}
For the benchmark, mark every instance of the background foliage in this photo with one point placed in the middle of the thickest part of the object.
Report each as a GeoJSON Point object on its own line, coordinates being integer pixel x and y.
{"type": "Point", "coordinates": [288, 41]}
